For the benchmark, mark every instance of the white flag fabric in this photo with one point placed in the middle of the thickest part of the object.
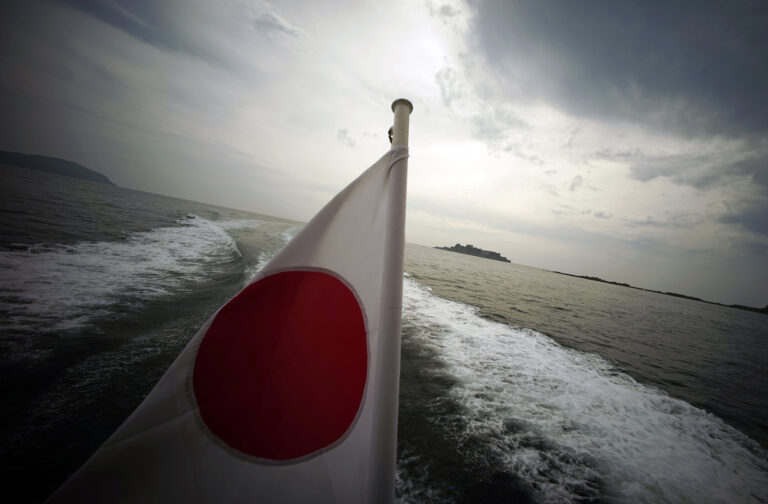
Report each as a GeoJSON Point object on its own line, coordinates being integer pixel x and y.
{"type": "Point", "coordinates": [288, 393]}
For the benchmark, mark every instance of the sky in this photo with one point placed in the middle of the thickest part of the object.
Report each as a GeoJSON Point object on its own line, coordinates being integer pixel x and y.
{"type": "Point", "coordinates": [626, 140]}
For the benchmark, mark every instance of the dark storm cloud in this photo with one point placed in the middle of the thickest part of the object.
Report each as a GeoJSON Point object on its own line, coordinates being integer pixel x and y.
{"type": "Point", "coordinates": [184, 27]}
{"type": "Point", "coordinates": [694, 67]}
{"type": "Point", "coordinates": [156, 23]}
{"type": "Point", "coordinates": [758, 249]}
{"type": "Point", "coordinates": [682, 169]}
{"type": "Point", "coordinates": [752, 216]}
{"type": "Point", "coordinates": [700, 171]}
{"type": "Point", "coordinates": [704, 172]}
{"type": "Point", "coordinates": [757, 167]}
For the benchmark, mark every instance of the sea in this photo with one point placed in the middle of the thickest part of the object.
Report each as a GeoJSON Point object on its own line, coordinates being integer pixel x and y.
{"type": "Point", "coordinates": [517, 384]}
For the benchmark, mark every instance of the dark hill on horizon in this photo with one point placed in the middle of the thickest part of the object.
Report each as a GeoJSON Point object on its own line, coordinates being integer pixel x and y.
{"type": "Point", "coordinates": [53, 165]}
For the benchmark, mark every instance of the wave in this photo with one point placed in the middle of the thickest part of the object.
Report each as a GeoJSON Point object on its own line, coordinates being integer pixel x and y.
{"type": "Point", "coordinates": [264, 257]}
{"type": "Point", "coordinates": [566, 423]}
{"type": "Point", "coordinates": [56, 287]}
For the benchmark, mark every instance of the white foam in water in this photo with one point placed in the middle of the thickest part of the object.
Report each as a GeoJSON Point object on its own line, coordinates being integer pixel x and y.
{"type": "Point", "coordinates": [264, 257]}
{"type": "Point", "coordinates": [62, 287]}
{"type": "Point", "coordinates": [574, 428]}
{"type": "Point", "coordinates": [414, 487]}
{"type": "Point", "coordinates": [289, 233]}
{"type": "Point", "coordinates": [233, 224]}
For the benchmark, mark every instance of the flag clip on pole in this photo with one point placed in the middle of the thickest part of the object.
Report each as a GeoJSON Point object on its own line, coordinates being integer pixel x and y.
{"type": "Point", "coordinates": [289, 392]}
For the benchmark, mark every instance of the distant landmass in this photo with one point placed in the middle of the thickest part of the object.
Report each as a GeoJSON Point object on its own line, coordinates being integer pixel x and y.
{"type": "Point", "coordinates": [52, 165]}
{"type": "Point", "coordinates": [674, 294]}
{"type": "Point", "coordinates": [474, 251]}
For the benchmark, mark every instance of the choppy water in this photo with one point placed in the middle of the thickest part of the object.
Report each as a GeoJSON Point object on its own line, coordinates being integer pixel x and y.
{"type": "Point", "coordinates": [517, 385]}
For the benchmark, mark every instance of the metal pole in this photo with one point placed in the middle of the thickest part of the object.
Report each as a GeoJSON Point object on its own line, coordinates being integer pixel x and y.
{"type": "Point", "coordinates": [382, 488]}
{"type": "Point", "coordinates": [402, 109]}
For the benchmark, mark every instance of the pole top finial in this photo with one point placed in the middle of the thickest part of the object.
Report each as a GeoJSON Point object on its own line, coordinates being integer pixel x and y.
{"type": "Point", "coordinates": [403, 101]}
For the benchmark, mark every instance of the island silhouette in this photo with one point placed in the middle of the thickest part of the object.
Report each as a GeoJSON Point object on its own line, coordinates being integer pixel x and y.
{"type": "Point", "coordinates": [470, 249]}
{"type": "Point", "coordinates": [673, 294]}
{"type": "Point", "coordinates": [54, 165]}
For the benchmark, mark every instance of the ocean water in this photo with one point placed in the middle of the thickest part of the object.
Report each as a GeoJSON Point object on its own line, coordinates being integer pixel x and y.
{"type": "Point", "coordinates": [517, 384]}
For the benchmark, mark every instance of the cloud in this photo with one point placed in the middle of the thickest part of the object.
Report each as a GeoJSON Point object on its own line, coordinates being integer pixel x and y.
{"type": "Point", "coordinates": [161, 24]}
{"type": "Point", "coordinates": [448, 81]}
{"type": "Point", "coordinates": [756, 248]}
{"type": "Point", "coordinates": [755, 166]}
{"type": "Point", "coordinates": [701, 171]}
{"type": "Point", "coordinates": [444, 11]}
{"type": "Point", "coordinates": [550, 189]}
{"type": "Point", "coordinates": [271, 23]}
{"type": "Point", "coordinates": [618, 154]}
{"type": "Point", "coordinates": [577, 182]}
{"type": "Point", "coordinates": [344, 138]}
{"type": "Point", "coordinates": [518, 151]}
{"type": "Point", "coordinates": [448, 11]}
{"type": "Point", "coordinates": [602, 215]}
{"type": "Point", "coordinates": [495, 124]}
{"type": "Point", "coordinates": [679, 221]}
{"type": "Point", "coordinates": [683, 169]}
{"type": "Point", "coordinates": [752, 216]}
{"type": "Point", "coordinates": [571, 137]}
{"type": "Point", "coordinates": [194, 28]}
{"type": "Point", "coordinates": [723, 172]}
{"type": "Point", "coordinates": [561, 211]}
{"type": "Point", "coordinates": [697, 68]}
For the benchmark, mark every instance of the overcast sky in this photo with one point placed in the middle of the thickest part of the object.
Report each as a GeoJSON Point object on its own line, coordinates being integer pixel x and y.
{"type": "Point", "coordinates": [627, 140]}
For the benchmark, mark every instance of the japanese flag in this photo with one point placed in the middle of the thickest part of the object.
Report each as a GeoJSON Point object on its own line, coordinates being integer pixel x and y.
{"type": "Point", "coordinates": [288, 393]}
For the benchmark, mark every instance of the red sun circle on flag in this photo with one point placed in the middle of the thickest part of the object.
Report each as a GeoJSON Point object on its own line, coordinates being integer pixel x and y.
{"type": "Point", "coordinates": [281, 372]}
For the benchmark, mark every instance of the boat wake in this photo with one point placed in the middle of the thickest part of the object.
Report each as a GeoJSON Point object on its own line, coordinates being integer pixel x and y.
{"type": "Point", "coordinates": [54, 288]}
{"type": "Point", "coordinates": [559, 425]}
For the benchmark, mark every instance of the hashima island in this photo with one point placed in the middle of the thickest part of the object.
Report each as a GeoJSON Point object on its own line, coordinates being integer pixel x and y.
{"type": "Point", "coordinates": [470, 249]}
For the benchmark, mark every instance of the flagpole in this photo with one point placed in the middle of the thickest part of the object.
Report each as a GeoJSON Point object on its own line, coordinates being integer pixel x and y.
{"type": "Point", "coordinates": [382, 488]}
{"type": "Point", "coordinates": [402, 109]}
